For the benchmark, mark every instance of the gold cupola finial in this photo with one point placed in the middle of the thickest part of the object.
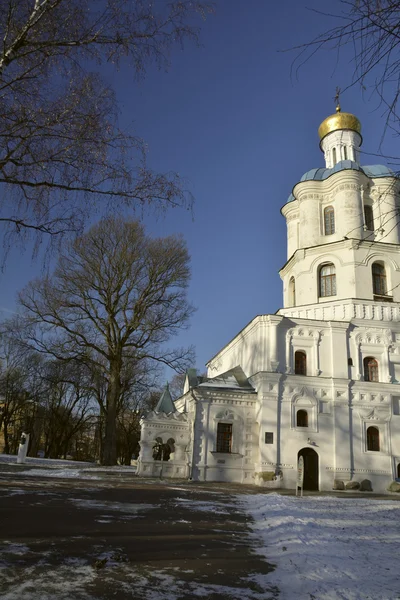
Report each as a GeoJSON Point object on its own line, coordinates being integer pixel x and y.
{"type": "Point", "coordinates": [339, 120]}
{"type": "Point", "coordinates": [336, 99]}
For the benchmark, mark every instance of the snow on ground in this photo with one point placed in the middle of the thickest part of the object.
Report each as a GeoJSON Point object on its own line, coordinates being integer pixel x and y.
{"type": "Point", "coordinates": [62, 469]}
{"type": "Point", "coordinates": [205, 506]}
{"type": "Point", "coordinates": [48, 462]}
{"type": "Point", "coordinates": [123, 507]}
{"type": "Point", "coordinates": [52, 463]}
{"type": "Point", "coordinates": [58, 473]}
{"type": "Point", "coordinates": [328, 548]}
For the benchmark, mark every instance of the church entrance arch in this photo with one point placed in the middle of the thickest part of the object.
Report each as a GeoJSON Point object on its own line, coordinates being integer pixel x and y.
{"type": "Point", "coordinates": [311, 471]}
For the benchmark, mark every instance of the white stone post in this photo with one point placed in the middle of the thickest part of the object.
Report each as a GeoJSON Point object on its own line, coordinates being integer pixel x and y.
{"type": "Point", "coordinates": [23, 448]}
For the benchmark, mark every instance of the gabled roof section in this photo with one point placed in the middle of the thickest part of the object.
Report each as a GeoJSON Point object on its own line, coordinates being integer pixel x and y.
{"type": "Point", "coordinates": [234, 379]}
{"type": "Point", "coordinates": [165, 403]}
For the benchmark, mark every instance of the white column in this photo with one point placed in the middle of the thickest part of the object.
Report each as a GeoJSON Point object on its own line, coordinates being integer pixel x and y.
{"type": "Point", "coordinates": [274, 321]}
{"type": "Point", "coordinates": [289, 368]}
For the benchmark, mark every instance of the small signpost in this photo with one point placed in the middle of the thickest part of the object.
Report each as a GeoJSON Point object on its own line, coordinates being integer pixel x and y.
{"type": "Point", "coordinates": [300, 475]}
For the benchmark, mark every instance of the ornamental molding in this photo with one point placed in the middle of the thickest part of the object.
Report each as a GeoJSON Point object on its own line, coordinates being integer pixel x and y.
{"type": "Point", "coordinates": [292, 215]}
{"type": "Point", "coordinates": [231, 399]}
{"type": "Point", "coordinates": [164, 426]}
{"type": "Point", "coordinates": [378, 413]}
{"type": "Point", "coordinates": [277, 465]}
{"type": "Point", "coordinates": [347, 470]}
{"type": "Point", "coordinates": [369, 398]}
{"type": "Point", "coordinates": [310, 196]}
{"type": "Point", "coordinates": [304, 332]}
{"type": "Point", "coordinates": [377, 337]}
{"type": "Point", "coordinates": [347, 187]}
{"type": "Point", "coordinates": [227, 415]}
{"type": "Point", "coordinates": [328, 199]}
{"type": "Point", "coordinates": [289, 390]}
{"type": "Point", "coordinates": [304, 396]}
{"type": "Point", "coordinates": [161, 417]}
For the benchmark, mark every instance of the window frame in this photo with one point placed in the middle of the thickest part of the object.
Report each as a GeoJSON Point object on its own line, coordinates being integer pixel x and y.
{"type": "Point", "coordinates": [292, 291]}
{"type": "Point", "coordinates": [300, 368]}
{"type": "Point", "coordinates": [327, 283]}
{"type": "Point", "coordinates": [373, 439]}
{"type": "Point", "coordinates": [304, 417]}
{"type": "Point", "coordinates": [379, 279]}
{"type": "Point", "coordinates": [329, 220]}
{"type": "Point", "coordinates": [369, 218]}
{"type": "Point", "coordinates": [223, 443]}
{"type": "Point", "coordinates": [370, 370]}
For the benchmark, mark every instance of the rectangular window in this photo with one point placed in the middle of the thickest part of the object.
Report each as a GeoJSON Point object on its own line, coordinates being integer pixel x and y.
{"type": "Point", "coordinates": [369, 218]}
{"type": "Point", "coordinates": [224, 437]}
{"type": "Point", "coordinates": [269, 437]}
{"type": "Point", "coordinates": [329, 220]}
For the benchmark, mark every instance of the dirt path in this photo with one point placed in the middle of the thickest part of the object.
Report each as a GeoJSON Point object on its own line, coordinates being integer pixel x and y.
{"type": "Point", "coordinates": [64, 539]}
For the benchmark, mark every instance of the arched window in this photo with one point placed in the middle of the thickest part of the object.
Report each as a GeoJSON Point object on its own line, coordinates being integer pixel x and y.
{"type": "Point", "coordinates": [163, 451]}
{"type": "Point", "coordinates": [371, 372]}
{"type": "Point", "coordinates": [373, 439]}
{"type": "Point", "coordinates": [327, 280]}
{"type": "Point", "coordinates": [302, 418]}
{"type": "Point", "coordinates": [300, 363]}
{"type": "Point", "coordinates": [334, 156]}
{"type": "Point", "coordinates": [379, 279]}
{"type": "Point", "coordinates": [369, 218]}
{"type": "Point", "coordinates": [292, 292]}
{"type": "Point", "coordinates": [345, 152]}
{"type": "Point", "coordinates": [329, 220]}
{"type": "Point", "coordinates": [224, 437]}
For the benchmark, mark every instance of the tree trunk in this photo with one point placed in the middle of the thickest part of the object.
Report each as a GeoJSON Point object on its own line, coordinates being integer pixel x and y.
{"type": "Point", "coordinates": [6, 448]}
{"type": "Point", "coordinates": [109, 455]}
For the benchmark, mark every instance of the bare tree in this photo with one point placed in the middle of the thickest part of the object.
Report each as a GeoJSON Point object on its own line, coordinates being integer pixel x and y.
{"type": "Point", "coordinates": [67, 406]}
{"type": "Point", "coordinates": [61, 150]}
{"type": "Point", "coordinates": [370, 31]}
{"type": "Point", "coordinates": [116, 295]}
{"type": "Point", "coordinates": [14, 395]}
{"type": "Point", "coordinates": [140, 381]}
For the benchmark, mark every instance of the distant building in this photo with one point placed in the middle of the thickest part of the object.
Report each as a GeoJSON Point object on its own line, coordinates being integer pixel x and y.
{"type": "Point", "coordinates": [321, 377]}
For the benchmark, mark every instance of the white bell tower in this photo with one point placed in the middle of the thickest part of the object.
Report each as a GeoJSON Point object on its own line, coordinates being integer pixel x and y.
{"type": "Point", "coordinates": [343, 235]}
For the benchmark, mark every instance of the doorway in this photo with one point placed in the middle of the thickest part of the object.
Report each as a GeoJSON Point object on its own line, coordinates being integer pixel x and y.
{"type": "Point", "coordinates": [311, 474]}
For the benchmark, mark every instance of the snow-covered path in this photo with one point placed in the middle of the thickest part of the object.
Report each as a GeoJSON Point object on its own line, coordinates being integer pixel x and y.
{"type": "Point", "coordinates": [329, 548]}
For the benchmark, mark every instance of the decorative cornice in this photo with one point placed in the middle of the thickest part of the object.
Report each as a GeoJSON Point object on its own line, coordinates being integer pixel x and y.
{"type": "Point", "coordinates": [160, 416]}
{"type": "Point", "coordinates": [347, 470]}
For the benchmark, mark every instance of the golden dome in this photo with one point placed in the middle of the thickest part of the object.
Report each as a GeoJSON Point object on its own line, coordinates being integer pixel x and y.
{"type": "Point", "coordinates": [340, 120]}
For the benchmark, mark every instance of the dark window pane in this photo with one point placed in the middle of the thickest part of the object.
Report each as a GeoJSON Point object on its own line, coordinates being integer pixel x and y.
{"type": "Point", "coordinates": [302, 418]}
{"type": "Point", "coordinates": [373, 439]}
{"type": "Point", "coordinates": [369, 218]}
{"type": "Point", "coordinates": [269, 437]}
{"type": "Point", "coordinates": [224, 437]}
{"type": "Point", "coordinates": [379, 279]}
{"type": "Point", "coordinates": [300, 363]}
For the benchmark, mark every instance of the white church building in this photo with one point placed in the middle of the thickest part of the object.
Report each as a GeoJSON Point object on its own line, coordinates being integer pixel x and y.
{"type": "Point", "coordinates": [321, 377]}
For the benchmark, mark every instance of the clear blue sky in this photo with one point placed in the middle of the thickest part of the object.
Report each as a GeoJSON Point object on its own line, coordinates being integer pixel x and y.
{"type": "Point", "coordinates": [228, 117]}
